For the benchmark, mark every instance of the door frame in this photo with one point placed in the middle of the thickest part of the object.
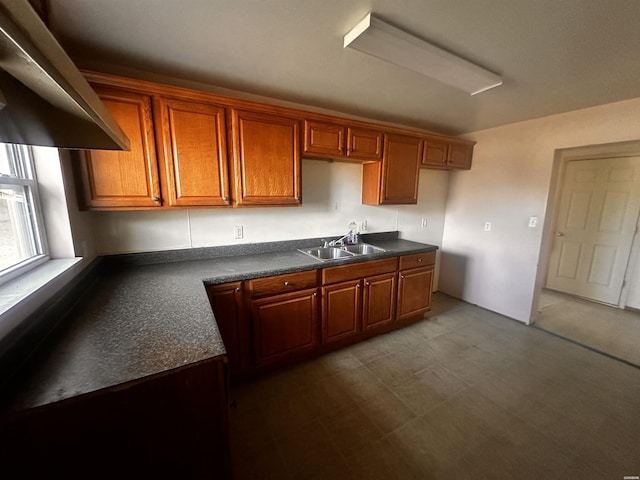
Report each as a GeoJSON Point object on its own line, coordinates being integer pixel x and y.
{"type": "Point", "coordinates": [562, 157]}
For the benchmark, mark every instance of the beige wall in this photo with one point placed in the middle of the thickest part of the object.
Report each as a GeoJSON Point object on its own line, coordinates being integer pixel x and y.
{"type": "Point", "coordinates": [510, 181]}
{"type": "Point", "coordinates": [331, 198]}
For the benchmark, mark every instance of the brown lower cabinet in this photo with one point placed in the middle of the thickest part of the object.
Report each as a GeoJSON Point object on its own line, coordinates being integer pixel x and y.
{"type": "Point", "coordinates": [170, 425]}
{"type": "Point", "coordinates": [341, 310]}
{"type": "Point", "coordinates": [272, 320]}
{"type": "Point", "coordinates": [226, 301]}
{"type": "Point", "coordinates": [284, 325]}
{"type": "Point", "coordinates": [415, 276]}
{"type": "Point", "coordinates": [362, 299]}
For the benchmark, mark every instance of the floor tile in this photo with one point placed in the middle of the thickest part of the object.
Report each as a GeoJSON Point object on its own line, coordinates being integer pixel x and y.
{"type": "Point", "coordinates": [429, 389]}
{"type": "Point", "coordinates": [464, 393]}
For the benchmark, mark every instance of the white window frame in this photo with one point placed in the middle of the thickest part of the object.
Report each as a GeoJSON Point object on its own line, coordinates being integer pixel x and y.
{"type": "Point", "coordinates": [23, 156]}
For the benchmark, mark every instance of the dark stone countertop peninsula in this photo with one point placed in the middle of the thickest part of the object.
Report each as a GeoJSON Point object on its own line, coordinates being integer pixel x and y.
{"type": "Point", "coordinates": [149, 313]}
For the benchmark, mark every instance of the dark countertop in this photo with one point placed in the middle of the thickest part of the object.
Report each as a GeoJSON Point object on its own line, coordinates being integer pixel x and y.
{"type": "Point", "coordinates": [141, 320]}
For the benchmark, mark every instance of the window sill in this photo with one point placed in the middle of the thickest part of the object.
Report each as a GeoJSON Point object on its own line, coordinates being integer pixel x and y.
{"type": "Point", "coordinates": [20, 297]}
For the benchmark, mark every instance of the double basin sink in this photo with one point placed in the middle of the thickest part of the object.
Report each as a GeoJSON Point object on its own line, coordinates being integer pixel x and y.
{"type": "Point", "coordinates": [331, 253]}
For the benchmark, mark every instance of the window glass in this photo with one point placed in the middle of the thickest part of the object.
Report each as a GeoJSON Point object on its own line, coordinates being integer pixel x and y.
{"type": "Point", "coordinates": [20, 226]}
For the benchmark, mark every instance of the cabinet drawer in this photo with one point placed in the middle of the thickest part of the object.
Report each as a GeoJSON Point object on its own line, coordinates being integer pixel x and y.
{"type": "Point", "coordinates": [417, 260]}
{"type": "Point", "coordinates": [358, 270]}
{"type": "Point", "coordinates": [288, 282]}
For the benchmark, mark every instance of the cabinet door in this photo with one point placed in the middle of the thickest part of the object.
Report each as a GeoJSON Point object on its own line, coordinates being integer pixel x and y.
{"type": "Point", "coordinates": [266, 151]}
{"type": "Point", "coordinates": [414, 292]}
{"type": "Point", "coordinates": [340, 311]}
{"type": "Point", "coordinates": [195, 152]}
{"type": "Point", "coordinates": [460, 155]}
{"type": "Point", "coordinates": [435, 153]}
{"type": "Point", "coordinates": [394, 181]}
{"type": "Point", "coordinates": [123, 179]}
{"type": "Point", "coordinates": [378, 301]}
{"type": "Point", "coordinates": [284, 326]}
{"type": "Point", "coordinates": [227, 305]}
{"type": "Point", "coordinates": [325, 139]}
{"type": "Point", "coordinates": [364, 144]}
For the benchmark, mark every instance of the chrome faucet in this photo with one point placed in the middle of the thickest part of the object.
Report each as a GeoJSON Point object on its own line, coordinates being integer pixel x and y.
{"type": "Point", "coordinates": [338, 241]}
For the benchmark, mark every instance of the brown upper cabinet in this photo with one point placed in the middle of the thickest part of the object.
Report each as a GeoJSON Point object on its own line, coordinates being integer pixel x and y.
{"type": "Point", "coordinates": [447, 153]}
{"type": "Point", "coordinates": [341, 141]}
{"type": "Point", "coordinates": [179, 154]}
{"type": "Point", "coordinates": [123, 179]}
{"type": "Point", "coordinates": [197, 149]}
{"type": "Point", "coordinates": [192, 145]}
{"type": "Point", "coordinates": [394, 180]}
{"type": "Point", "coordinates": [266, 156]}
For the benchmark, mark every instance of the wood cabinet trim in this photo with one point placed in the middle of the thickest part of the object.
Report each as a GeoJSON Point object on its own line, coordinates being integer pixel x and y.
{"type": "Point", "coordinates": [153, 88]}
{"type": "Point", "coordinates": [417, 260]}
{"type": "Point", "coordinates": [242, 195]}
{"type": "Point", "coordinates": [312, 147]}
{"type": "Point", "coordinates": [376, 310]}
{"type": "Point", "coordinates": [261, 338]}
{"type": "Point", "coordinates": [350, 320]}
{"type": "Point", "coordinates": [393, 174]}
{"type": "Point", "coordinates": [278, 284]}
{"type": "Point", "coordinates": [165, 110]}
{"type": "Point", "coordinates": [355, 271]}
{"type": "Point", "coordinates": [352, 150]}
{"type": "Point", "coordinates": [408, 305]}
{"type": "Point", "coordinates": [91, 197]}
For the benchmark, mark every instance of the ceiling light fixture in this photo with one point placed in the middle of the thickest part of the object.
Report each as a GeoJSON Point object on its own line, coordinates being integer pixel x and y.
{"type": "Point", "coordinates": [386, 42]}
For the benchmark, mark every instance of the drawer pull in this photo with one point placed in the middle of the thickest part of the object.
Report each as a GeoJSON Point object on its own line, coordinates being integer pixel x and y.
{"type": "Point", "coordinates": [420, 259]}
{"type": "Point", "coordinates": [238, 289]}
{"type": "Point", "coordinates": [401, 276]}
{"type": "Point", "coordinates": [367, 284]}
{"type": "Point", "coordinates": [286, 283]}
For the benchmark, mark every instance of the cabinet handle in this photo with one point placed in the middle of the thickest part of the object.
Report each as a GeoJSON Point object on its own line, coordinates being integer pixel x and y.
{"type": "Point", "coordinates": [315, 294]}
{"type": "Point", "coordinates": [401, 276]}
{"type": "Point", "coordinates": [367, 284]}
{"type": "Point", "coordinates": [238, 289]}
{"type": "Point", "coordinates": [156, 199]}
{"type": "Point", "coordinates": [226, 199]}
{"type": "Point", "coordinates": [357, 285]}
{"type": "Point", "coordinates": [420, 260]}
{"type": "Point", "coordinates": [286, 283]}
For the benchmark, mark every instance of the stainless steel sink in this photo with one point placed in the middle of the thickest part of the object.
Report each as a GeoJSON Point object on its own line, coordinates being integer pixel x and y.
{"type": "Point", "coordinates": [363, 249]}
{"type": "Point", "coordinates": [326, 253]}
{"type": "Point", "coordinates": [330, 253]}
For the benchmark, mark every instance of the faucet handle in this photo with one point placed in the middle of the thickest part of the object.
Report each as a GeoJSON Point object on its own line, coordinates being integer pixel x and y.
{"type": "Point", "coordinates": [325, 244]}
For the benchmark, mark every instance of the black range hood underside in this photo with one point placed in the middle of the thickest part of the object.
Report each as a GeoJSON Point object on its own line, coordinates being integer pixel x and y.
{"type": "Point", "coordinates": [46, 99]}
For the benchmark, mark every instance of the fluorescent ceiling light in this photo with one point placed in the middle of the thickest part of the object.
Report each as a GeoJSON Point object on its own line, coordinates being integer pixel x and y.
{"type": "Point", "coordinates": [386, 42]}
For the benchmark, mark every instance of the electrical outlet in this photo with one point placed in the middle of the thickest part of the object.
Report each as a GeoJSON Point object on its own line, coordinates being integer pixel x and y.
{"type": "Point", "coordinates": [533, 222]}
{"type": "Point", "coordinates": [487, 226]}
{"type": "Point", "coordinates": [363, 226]}
{"type": "Point", "coordinates": [423, 223]}
{"type": "Point", "coordinates": [238, 231]}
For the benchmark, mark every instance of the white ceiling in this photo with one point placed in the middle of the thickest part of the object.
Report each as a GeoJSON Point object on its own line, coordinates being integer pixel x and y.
{"type": "Point", "coordinates": [554, 55]}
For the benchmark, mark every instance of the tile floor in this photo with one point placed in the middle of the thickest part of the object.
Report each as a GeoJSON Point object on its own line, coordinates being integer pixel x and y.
{"type": "Point", "coordinates": [465, 393]}
{"type": "Point", "coordinates": [607, 329]}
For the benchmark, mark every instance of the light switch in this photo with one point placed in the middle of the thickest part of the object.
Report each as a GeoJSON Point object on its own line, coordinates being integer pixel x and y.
{"type": "Point", "coordinates": [487, 226]}
{"type": "Point", "coordinates": [238, 231]}
{"type": "Point", "coordinates": [533, 222]}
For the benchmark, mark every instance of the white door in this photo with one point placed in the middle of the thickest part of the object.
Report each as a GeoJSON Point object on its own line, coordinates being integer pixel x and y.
{"type": "Point", "coordinates": [598, 211]}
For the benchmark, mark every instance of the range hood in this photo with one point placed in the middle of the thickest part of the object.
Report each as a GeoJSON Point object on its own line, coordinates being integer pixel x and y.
{"type": "Point", "coordinates": [44, 99]}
